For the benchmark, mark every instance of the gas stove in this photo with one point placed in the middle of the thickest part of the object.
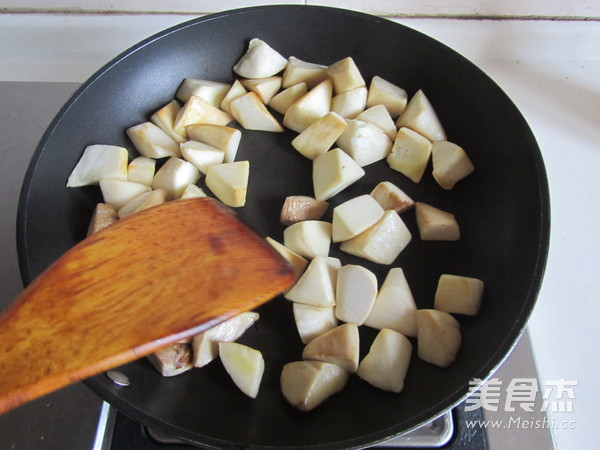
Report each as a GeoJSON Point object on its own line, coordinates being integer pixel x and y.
{"type": "Point", "coordinates": [118, 432]}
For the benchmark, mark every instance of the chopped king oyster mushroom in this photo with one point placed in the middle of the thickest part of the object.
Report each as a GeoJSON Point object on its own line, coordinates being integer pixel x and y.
{"type": "Point", "coordinates": [172, 360]}
{"type": "Point", "coordinates": [343, 123]}
{"type": "Point", "coordinates": [297, 208]}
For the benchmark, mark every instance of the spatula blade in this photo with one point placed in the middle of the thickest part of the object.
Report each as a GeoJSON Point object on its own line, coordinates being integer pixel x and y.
{"type": "Point", "coordinates": [146, 281]}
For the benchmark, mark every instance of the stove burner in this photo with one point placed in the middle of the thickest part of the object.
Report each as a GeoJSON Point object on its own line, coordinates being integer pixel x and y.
{"type": "Point", "coordinates": [118, 432]}
{"type": "Point", "coordinates": [435, 434]}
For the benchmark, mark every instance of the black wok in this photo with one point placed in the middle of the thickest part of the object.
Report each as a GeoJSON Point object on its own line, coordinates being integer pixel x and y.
{"type": "Point", "coordinates": [503, 210]}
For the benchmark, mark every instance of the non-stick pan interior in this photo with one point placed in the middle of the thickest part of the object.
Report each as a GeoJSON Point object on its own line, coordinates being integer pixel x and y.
{"type": "Point", "coordinates": [502, 209]}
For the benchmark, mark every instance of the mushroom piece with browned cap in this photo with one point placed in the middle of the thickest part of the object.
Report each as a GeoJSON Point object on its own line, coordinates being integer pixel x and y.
{"type": "Point", "coordinates": [298, 208]}
{"type": "Point", "coordinates": [172, 360]}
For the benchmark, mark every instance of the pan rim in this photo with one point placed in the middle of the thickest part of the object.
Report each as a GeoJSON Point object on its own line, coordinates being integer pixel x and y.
{"type": "Point", "coordinates": [452, 399]}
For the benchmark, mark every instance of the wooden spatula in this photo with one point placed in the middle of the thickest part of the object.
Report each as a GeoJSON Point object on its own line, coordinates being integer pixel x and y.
{"type": "Point", "coordinates": [144, 282]}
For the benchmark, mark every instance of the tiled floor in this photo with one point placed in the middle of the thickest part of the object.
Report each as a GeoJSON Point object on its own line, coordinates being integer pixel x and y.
{"type": "Point", "coordinates": [487, 8]}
